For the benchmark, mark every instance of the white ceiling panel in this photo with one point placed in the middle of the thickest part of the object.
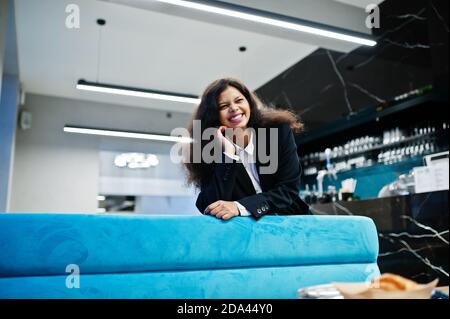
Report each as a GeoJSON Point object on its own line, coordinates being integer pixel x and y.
{"type": "Point", "coordinates": [360, 3]}
{"type": "Point", "coordinates": [139, 48]}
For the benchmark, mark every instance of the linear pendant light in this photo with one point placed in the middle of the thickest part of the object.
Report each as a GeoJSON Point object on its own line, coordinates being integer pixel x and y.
{"type": "Point", "coordinates": [114, 133]}
{"type": "Point", "coordinates": [264, 17]}
{"type": "Point", "coordinates": [136, 92]}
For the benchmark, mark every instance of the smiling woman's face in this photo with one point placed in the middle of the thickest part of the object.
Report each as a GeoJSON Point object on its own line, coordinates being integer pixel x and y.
{"type": "Point", "coordinates": [234, 109]}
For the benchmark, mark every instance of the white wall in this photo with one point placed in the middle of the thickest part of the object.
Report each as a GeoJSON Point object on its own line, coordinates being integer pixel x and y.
{"type": "Point", "coordinates": [166, 205]}
{"type": "Point", "coordinates": [59, 172]}
{"type": "Point", "coordinates": [165, 179]}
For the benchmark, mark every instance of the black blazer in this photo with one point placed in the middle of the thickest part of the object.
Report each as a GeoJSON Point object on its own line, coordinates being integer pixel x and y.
{"type": "Point", "coordinates": [280, 191]}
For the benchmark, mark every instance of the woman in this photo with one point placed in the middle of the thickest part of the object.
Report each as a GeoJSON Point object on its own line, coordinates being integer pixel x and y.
{"type": "Point", "coordinates": [236, 184]}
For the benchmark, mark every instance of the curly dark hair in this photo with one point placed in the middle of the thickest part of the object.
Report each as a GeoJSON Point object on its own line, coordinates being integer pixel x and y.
{"type": "Point", "coordinates": [208, 115]}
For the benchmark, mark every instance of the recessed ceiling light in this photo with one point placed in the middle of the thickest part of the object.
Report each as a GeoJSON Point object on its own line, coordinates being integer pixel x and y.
{"type": "Point", "coordinates": [113, 133]}
{"type": "Point", "coordinates": [264, 17]}
{"type": "Point", "coordinates": [136, 92]}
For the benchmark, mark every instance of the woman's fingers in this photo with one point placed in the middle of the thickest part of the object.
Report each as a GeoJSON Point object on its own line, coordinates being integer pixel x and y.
{"type": "Point", "coordinates": [222, 129]}
{"type": "Point", "coordinates": [212, 206]}
{"type": "Point", "coordinates": [225, 142]}
{"type": "Point", "coordinates": [220, 209]}
{"type": "Point", "coordinates": [221, 133]}
{"type": "Point", "coordinates": [216, 211]}
{"type": "Point", "coordinates": [219, 212]}
{"type": "Point", "coordinates": [220, 216]}
{"type": "Point", "coordinates": [226, 215]}
{"type": "Point", "coordinates": [222, 212]}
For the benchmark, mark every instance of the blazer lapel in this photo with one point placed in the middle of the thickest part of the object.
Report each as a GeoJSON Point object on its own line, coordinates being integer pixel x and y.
{"type": "Point", "coordinates": [262, 177]}
{"type": "Point", "coordinates": [243, 178]}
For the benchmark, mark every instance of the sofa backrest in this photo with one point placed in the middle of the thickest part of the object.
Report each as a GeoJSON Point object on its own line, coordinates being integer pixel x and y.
{"type": "Point", "coordinates": [44, 244]}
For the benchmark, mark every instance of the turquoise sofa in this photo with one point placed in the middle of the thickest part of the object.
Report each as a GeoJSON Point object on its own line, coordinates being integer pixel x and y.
{"type": "Point", "coordinates": [143, 256]}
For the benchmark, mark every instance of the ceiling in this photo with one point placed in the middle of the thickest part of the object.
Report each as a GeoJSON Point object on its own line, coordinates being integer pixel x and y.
{"type": "Point", "coordinates": [360, 3]}
{"type": "Point", "coordinates": [143, 49]}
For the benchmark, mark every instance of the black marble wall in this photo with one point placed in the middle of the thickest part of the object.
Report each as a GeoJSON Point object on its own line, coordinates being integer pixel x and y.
{"type": "Point", "coordinates": [412, 232]}
{"type": "Point", "coordinates": [412, 53]}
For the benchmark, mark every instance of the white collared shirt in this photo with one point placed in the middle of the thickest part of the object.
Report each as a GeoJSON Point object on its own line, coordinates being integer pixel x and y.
{"type": "Point", "coordinates": [247, 157]}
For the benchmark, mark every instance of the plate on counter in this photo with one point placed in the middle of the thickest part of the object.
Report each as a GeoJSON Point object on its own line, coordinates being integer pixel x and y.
{"type": "Point", "coordinates": [327, 291]}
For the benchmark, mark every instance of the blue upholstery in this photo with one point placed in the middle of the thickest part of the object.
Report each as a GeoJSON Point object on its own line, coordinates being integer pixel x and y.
{"type": "Point", "coordinates": [129, 256]}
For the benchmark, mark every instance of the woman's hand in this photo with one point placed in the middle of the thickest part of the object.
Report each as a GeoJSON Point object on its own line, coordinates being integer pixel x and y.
{"type": "Point", "coordinates": [223, 209]}
{"type": "Point", "coordinates": [228, 147]}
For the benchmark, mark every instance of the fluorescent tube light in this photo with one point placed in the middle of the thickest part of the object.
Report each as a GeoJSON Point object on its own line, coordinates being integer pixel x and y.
{"type": "Point", "coordinates": [149, 94]}
{"type": "Point", "coordinates": [302, 27]}
{"type": "Point", "coordinates": [142, 136]}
